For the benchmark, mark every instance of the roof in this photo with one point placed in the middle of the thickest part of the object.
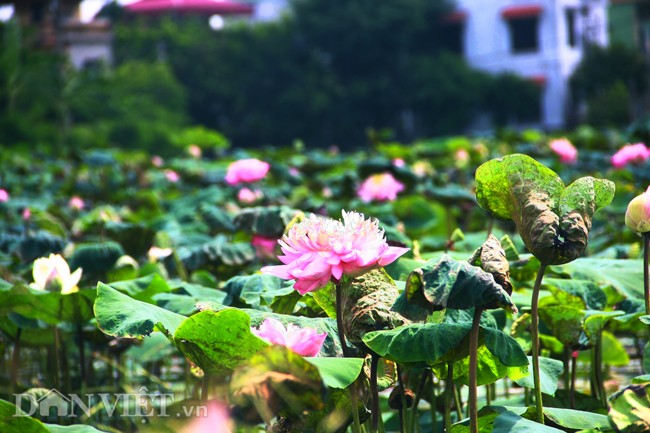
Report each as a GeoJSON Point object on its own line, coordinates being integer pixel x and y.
{"type": "Point", "coordinates": [521, 11]}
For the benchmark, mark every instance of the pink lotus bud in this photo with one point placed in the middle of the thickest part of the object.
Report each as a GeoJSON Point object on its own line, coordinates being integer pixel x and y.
{"type": "Point", "coordinates": [399, 162]}
{"type": "Point", "coordinates": [462, 158]}
{"type": "Point", "coordinates": [565, 150]}
{"type": "Point", "coordinates": [303, 341]}
{"type": "Point", "coordinates": [194, 151]}
{"type": "Point", "coordinates": [246, 171]}
{"type": "Point", "coordinates": [293, 171]}
{"type": "Point", "coordinates": [249, 196]}
{"type": "Point", "coordinates": [4, 196]}
{"type": "Point", "coordinates": [380, 187]}
{"type": "Point", "coordinates": [637, 216]}
{"type": "Point", "coordinates": [264, 247]}
{"type": "Point", "coordinates": [157, 161]}
{"type": "Point", "coordinates": [318, 250]}
{"type": "Point", "coordinates": [27, 214]}
{"type": "Point", "coordinates": [630, 153]}
{"type": "Point", "coordinates": [76, 203]}
{"type": "Point", "coordinates": [172, 176]}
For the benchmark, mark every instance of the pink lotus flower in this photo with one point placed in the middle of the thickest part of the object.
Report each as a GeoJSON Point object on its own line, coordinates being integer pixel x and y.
{"type": "Point", "coordinates": [462, 158]}
{"type": "Point", "coordinates": [249, 196]}
{"type": "Point", "coordinates": [246, 171]}
{"type": "Point", "coordinates": [76, 203]}
{"type": "Point", "coordinates": [194, 151]}
{"type": "Point", "coordinates": [293, 171]}
{"type": "Point", "coordinates": [264, 247]}
{"type": "Point", "coordinates": [380, 187]}
{"type": "Point", "coordinates": [172, 176]}
{"type": "Point", "coordinates": [27, 214]}
{"type": "Point", "coordinates": [565, 150]}
{"type": "Point", "coordinates": [4, 196]}
{"type": "Point", "coordinates": [399, 162]}
{"type": "Point", "coordinates": [217, 420]}
{"type": "Point", "coordinates": [303, 341]}
{"type": "Point", "coordinates": [318, 250]}
{"type": "Point", "coordinates": [630, 153]}
{"type": "Point", "coordinates": [157, 161]}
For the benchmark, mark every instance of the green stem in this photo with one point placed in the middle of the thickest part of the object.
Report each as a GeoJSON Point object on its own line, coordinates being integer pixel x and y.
{"type": "Point", "coordinates": [535, 337]}
{"type": "Point", "coordinates": [599, 369]}
{"type": "Point", "coordinates": [646, 271]}
{"type": "Point", "coordinates": [57, 359]}
{"type": "Point", "coordinates": [572, 392]}
{"type": "Point", "coordinates": [402, 396]}
{"type": "Point", "coordinates": [473, 367]}
{"type": "Point", "coordinates": [339, 319]}
{"type": "Point", "coordinates": [458, 402]}
{"type": "Point", "coordinates": [566, 359]}
{"type": "Point", "coordinates": [415, 419]}
{"type": "Point", "coordinates": [15, 361]}
{"type": "Point", "coordinates": [374, 391]}
{"type": "Point", "coordinates": [449, 391]}
{"type": "Point", "coordinates": [205, 388]}
{"type": "Point", "coordinates": [82, 356]}
{"type": "Point", "coordinates": [432, 403]}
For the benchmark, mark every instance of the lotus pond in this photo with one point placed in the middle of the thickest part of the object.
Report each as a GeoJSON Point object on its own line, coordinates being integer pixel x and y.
{"type": "Point", "coordinates": [455, 285]}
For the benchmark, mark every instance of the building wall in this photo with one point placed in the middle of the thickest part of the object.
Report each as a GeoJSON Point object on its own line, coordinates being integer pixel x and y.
{"type": "Point", "coordinates": [487, 45]}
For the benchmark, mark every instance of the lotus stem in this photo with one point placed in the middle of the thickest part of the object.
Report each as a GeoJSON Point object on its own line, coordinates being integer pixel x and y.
{"type": "Point", "coordinates": [449, 391]}
{"type": "Point", "coordinates": [600, 383]}
{"type": "Point", "coordinates": [57, 358]}
{"type": "Point", "coordinates": [374, 391]}
{"type": "Point", "coordinates": [15, 360]}
{"type": "Point", "coordinates": [458, 401]}
{"type": "Point", "coordinates": [535, 341]}
{"type": "Point", "coordinates": [339, 319]}
{"type": "Point", "coordinates": [432, 402]}
{"type": "Point", "coordinates": [646, 271]}
{"type": "Point", "coordinates": [205, 388]}
{"type": "Point", "coordinates": [473, 366]}
{"type": "Point", "coordinates": [572, 392]}
{"type": "Point", "coordinates": [415, 420]}
{"type": "Point", "coordinates": [82, 355]}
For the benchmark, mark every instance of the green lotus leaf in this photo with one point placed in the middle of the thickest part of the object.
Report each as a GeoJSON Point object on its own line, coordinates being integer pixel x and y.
{"type": "Point", "coordinates": [553, 220]}
{"type": "Point", "coordinates": [629, 409]}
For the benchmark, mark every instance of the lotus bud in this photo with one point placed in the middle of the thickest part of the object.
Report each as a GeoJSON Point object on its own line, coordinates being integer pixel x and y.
{"type": "Point", "coordinates": [637, 217]}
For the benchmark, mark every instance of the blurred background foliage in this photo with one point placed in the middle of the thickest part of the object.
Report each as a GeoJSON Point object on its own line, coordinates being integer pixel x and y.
{"type": "Point", "coordinates": [325, 74]}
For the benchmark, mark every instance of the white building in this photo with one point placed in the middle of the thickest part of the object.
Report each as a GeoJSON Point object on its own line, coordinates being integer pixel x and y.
{"type": "Point", "coordinates": [542, 40]}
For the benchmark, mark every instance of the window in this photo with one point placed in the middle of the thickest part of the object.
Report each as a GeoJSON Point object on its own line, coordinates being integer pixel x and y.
{"type": "Point", "coordinates": [524, 34]}
{"type": "Point", "coordinates": [570, 14]}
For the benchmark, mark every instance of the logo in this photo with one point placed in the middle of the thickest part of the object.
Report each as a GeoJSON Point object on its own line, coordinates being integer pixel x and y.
{"type": "Point", "coordinates": [142, 404]}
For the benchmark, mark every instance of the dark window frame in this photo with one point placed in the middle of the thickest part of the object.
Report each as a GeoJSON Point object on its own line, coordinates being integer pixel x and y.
{"type": "Point", "coordinates": [524, 34]}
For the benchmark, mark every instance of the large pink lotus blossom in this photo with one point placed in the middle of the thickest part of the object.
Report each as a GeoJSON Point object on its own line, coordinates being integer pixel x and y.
{"type": "Point", "coordinates": [380, 187]}
{"type": "Point", "coordinates": [565, 150]}
{"type": "Point", "coordinates": [303, 341]}
{"type": "Point", "coordinates": [4, 196]}
{"type": "Point", "coordinates": [630, 153]}
{"type": "Point", "coordinates": [246, 171]}
{"type": "Point", "coordinates": [318, 250]}
{"type": "Point", "coordinates": [216, 419]}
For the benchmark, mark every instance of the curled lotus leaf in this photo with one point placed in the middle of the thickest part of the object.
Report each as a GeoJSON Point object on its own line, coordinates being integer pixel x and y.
{"type": "Point", "coordinates": [553, 220]}
{"type": "Point", "coordinates": [448, 283]}
{"type": "Point", "coordinates": [629, 408]}
{"type": "Point", "coordinates": [492, 259]}
{"type": "Point", "coordinates": [367, 303]}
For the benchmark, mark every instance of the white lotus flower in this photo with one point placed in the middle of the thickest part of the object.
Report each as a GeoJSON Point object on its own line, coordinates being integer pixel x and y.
{"type": "Point", "coordinates": [53, 273]}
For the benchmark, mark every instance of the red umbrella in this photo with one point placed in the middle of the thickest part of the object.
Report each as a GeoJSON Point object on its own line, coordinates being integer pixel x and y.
{"type": "Point", "coordinates": [209, 7]}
